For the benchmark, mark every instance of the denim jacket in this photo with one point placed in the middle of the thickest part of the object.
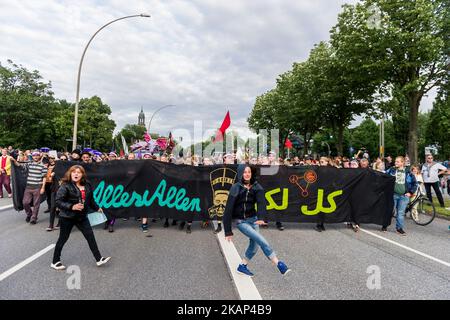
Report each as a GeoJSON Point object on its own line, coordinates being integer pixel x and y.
{"type": "Point", "coordinates": [411, 182]}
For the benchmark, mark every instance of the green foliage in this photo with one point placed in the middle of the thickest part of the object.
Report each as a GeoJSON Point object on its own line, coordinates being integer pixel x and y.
{"type": "Point", "coordinates": [404, 54]}
{"type": "Point", "coordinates": [271, 111]}
{"type": "Point", "coordinates": [30, 116]}
{"type": "Point", "coordinates": [95, 127]}
{"type": "Point", "coordinates": [132, 133]}
{"type": "Point", "coordinates": [377, 64]}
{"type": "Point", "coordinates": [366, 135]}
{"type": "Point", "coordinates": [26, 107]}
{"type": "Point", "coordinates": [439, 123]}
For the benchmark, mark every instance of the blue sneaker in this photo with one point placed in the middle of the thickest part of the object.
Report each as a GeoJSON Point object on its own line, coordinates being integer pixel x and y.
{"type": "Point", "coordinates": [283, 267]}
{"type": "Point", "coordinates": [144, 228]}
{"type": "Point", "coordinates": [242, 269]}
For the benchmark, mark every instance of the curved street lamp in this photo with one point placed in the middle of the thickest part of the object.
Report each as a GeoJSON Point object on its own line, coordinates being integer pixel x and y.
{"type": "Point", "coordinates": [157, 110]}
{"type": "Point", "coordinates": [75, 122]}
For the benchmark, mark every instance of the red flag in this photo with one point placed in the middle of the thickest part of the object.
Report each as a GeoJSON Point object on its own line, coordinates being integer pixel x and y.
{"type": "Point", "coordinates": [288, 144]}
{"type": "Point", "coordinates": [147, 137]}
{"type": "Point", "coordinates": [225, 125]}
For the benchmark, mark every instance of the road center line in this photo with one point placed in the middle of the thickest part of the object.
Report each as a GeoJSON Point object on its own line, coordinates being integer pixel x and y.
{"type": "Point", "coordinates": [19, 266]}
{"type": "Point", "coordinates": [244, 284]}
{"type": "Point", "coordinates": [447, 264]}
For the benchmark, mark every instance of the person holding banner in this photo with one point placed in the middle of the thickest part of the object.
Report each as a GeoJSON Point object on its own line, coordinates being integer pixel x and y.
{"type": "Point", "coordinates": [75, 198]}
{"type": "Point", "coordinates": [36, 180]}
{"type": "Point", "coordinates": [241, 206]}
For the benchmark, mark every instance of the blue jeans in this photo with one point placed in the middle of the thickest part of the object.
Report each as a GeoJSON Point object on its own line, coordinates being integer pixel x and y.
{"type": "Point", "coordinates": [400, 203]}
{"type": "Point", "coordinates": [251, 230]}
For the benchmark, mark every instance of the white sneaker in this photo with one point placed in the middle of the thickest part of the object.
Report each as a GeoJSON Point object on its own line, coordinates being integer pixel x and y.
{"type": "Point", "coordinates": [103, 261]}
{"type": "Point", "coordinates": [58, 266]}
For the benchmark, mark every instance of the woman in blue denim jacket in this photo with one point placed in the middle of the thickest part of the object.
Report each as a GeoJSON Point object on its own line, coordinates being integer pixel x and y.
{"type": "Point", "coordinates": [241, 206]}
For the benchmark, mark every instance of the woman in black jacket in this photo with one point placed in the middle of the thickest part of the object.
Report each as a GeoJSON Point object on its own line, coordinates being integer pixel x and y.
{"type": "Point", "coordinates": [241, 206]}
{"type": "Point", "coordinates": [74, 199]}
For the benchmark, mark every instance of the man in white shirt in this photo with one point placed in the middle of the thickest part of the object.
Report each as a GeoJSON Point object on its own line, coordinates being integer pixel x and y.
{"type": "Point", "coordinates": [430, 172]}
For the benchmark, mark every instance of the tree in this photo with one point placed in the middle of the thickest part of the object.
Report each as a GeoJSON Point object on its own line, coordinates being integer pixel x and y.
{"type": "Point", "coordinates": [438, 128]}
{"type": "Point", "coordinates": [132, 133]}
{"type": "Point", "coordinates": [339, 95]}
{"type": "Point", "coordinates": [291, 107]}
{"type": "Point", "coordinates": [405, 51]}
{"type": "Point", "coordinates": [30, 116]}
{"type": "Point", "coordinates": [302, 110]}
{"type": "Point", "coordinates": [95, 126]}
{"type": "Point", "coordinates": [366, 135]}
{"type": "Point", "coordinates": [267, 114]}
{"type": "Point", "coordinates": [27, 107]}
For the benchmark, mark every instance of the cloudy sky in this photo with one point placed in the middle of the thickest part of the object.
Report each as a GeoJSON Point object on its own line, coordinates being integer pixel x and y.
{"type": "Point", "coordinates": [203, 56]}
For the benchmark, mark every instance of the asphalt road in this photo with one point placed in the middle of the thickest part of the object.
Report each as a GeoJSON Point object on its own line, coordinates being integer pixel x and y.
{"type": "Point", "coordinates": [175, 265]}
{"type": "Point", "coordinates": [169, 265]}
{"type": "Point", "coordinates": [334, 264]}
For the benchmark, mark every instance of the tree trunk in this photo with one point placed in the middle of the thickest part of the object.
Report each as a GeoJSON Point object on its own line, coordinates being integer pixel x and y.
{"type": "Point", "coordinates": [414, 103]}
{"type": "Point", "coordinates": [340, 141]}
{"type": "Point", "coordinates": [305, 144]}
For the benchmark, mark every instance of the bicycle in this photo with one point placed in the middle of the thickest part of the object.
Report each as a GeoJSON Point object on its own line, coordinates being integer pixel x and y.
{"type": "Point", "coordinates": [422, 210]}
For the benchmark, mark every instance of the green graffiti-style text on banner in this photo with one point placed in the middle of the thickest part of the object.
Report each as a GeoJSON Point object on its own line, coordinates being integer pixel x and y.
{"type": "Point", "coordinates": [320, 208]}
{"type": "Point", "coordinates": [107, 196]}
{"type": "Point", "coordinates": [304, 209]}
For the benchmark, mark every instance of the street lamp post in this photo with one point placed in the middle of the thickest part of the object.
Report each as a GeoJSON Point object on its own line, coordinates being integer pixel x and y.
{"type": "Point", "coordinates": [329, 150]}
{"type": "Point", "coordinates": [157, 110]}
{"type": "Point", "coordinates": [77, 100]}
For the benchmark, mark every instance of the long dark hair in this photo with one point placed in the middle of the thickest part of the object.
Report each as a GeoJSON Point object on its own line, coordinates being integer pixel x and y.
{"type": "Point", "coordinates": [254, 174]}
{"type": "Point", "coordinates": [68, 175]}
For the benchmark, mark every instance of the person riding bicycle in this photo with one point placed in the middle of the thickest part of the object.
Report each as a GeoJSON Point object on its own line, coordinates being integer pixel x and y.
{"type": "Point", "coordinates": [405, 187]}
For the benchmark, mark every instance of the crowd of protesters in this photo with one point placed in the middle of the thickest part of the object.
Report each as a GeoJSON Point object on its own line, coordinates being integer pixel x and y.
{"type": "Point", "coordinates": [40, 164]}
{"type": "Point", "coordinates": [72, 197]}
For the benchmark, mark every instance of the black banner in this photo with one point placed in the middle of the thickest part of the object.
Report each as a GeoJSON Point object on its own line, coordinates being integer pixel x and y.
{"type": "Point", "coordinates": [148, 188]}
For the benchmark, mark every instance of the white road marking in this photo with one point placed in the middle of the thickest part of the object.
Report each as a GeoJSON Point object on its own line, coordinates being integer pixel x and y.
{"type": "Point", "coordinates": [245, 286]}
{"type": "Point", "coordinates": [447, 264]}
{"type": "Point", "coordinates": [19, 266]}
{"type": "Point", "coordinates": [6, 207]}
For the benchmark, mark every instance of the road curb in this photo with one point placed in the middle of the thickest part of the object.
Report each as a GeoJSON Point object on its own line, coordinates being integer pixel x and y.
{"type": "Point", "coordinates": [243, 285]}
{"type": "Point", "coordinates": [442, 217]}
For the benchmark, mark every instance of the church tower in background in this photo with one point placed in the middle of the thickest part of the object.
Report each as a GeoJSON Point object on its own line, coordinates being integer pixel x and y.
{"type": "Point", "coordinates": [141, 119]}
